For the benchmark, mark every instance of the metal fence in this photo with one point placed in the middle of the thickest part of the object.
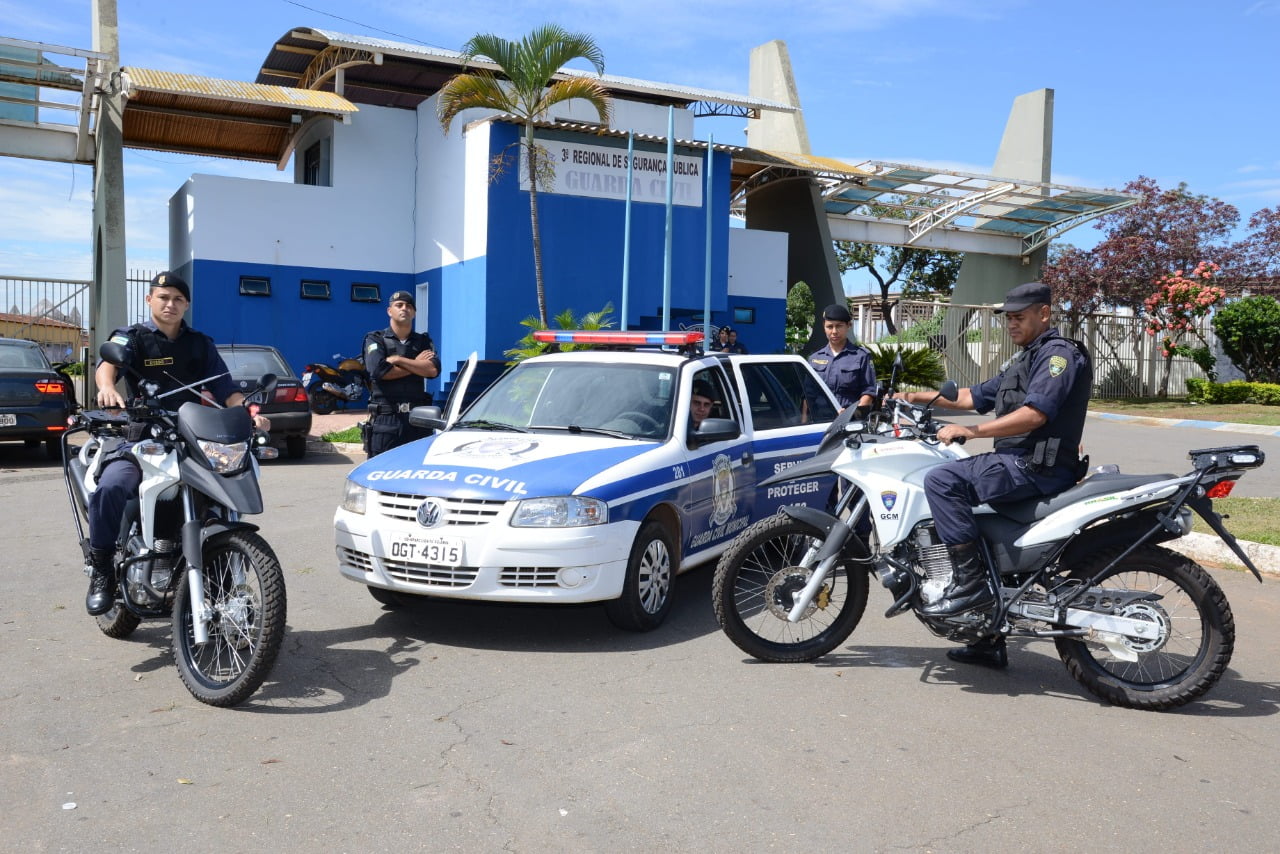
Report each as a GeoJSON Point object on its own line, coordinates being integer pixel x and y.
{"type": "Point", "coordinates": [974, 345]}
{"type": "Point", "coordinates": [56, 313]}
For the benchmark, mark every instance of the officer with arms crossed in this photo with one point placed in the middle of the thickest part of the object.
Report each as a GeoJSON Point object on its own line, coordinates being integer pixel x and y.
{"type": "Point", "coordinates": [845, 367]}
{"type": "Point", "coordinates": [398, 360]}
{"type": "Point", "coordinates": [169, 353]}
{"type": "Point", "coordinates": [1040, 399]}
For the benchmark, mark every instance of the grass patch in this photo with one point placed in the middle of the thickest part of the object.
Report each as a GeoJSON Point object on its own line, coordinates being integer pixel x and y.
{"type": "Point", "coordinates": [351, 434]}
{"type": "Point", "coordinates": [1179, 408]}
{"type": "Point", "coordinates": [1252, 519]}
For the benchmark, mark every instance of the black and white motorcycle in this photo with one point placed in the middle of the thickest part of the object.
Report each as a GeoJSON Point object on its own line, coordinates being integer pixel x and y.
{"type": "Point", "coordinates": [184, 551]}
{"type": "Point", "coordinates": [1135, 623]}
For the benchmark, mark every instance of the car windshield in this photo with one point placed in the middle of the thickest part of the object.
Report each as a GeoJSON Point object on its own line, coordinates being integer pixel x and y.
{"type": "Point", "coordinates": [632, 400]}
{"type": "Point", "coordinates": [252, 364]}
{"type": "Point", "coordinates": [22, 356]}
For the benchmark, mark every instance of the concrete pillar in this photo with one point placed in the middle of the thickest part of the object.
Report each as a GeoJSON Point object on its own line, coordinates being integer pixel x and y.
{"type": "Point", "coordinates": [771, 79]}
{"type": "Point", "coordinates": [107, 292]}
{"type": "Point", "coordinates": [1026, 152]}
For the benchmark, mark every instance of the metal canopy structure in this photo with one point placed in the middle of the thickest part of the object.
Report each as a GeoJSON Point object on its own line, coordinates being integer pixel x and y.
{"type": "Point", "coordinates": [165, 111]}
{"type": "Point", "coordinates": [46, 113]}
{"type": "Point", "coordinates": [396, 74]}
{"type": "Point", "coordinates": [902, 205]}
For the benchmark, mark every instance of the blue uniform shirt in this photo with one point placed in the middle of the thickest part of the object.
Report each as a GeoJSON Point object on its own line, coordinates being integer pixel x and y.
{"type": "Point", "coordinates": [849, 374]}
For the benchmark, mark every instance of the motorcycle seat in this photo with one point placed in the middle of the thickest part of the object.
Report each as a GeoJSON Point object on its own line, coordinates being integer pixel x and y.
{"type": "Point", "coordinates": [1027, 512]}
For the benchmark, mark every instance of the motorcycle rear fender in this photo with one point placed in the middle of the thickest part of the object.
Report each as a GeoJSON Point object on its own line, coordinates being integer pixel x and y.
{"type": "Point", "coordinates": [1119, 532]}
{"type": "Point", "coordinates": [240, 491]}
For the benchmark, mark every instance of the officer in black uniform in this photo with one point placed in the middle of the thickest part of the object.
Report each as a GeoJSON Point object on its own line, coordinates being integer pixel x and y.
{"type": "Point", "coordinates": [398, 360]}
{"type": "Point", "coordinates": [1040, 399]}
{"type": "Point", "coordinates": [168, 352]}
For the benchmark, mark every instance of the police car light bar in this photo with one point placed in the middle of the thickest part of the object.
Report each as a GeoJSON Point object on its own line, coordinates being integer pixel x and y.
{"type": "Point", "coordinates": [616, 337]}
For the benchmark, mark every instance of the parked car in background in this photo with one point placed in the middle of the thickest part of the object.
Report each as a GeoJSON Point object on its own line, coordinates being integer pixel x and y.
{"type": "Point", "coordinates": [35, 400]}
{"type": "Point", "coordinates": [288, 410]}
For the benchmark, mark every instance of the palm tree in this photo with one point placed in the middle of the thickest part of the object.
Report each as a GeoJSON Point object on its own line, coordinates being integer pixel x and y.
{"type": "Point", "coordinates": [527, 93]}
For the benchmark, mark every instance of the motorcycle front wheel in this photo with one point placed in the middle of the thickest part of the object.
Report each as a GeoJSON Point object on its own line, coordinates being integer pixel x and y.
{"type": "Point", "coordinates": [756, 583]}
{"type": "Point", "coordinates": [1197, 633]}
{"type": "Point", "coordinates": [244, 587]}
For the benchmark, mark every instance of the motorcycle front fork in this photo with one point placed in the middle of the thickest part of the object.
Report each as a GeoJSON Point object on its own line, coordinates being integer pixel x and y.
{"type": "Point", "coordinates": [826, 553]}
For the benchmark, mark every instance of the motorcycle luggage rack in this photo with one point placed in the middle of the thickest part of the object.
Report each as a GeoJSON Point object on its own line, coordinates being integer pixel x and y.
{"type": "Point", "coordinates": [1229, 457]}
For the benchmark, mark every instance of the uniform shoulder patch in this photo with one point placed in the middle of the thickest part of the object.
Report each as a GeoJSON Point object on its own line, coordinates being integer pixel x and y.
{"type": "Point", "coordinates": [1057, 364]}
{"type": "Point", "coordinates": [373, 345]}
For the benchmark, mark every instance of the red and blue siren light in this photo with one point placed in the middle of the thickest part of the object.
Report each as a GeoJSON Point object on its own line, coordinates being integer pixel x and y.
{"type": "Point", "coordinates": [617, 337]}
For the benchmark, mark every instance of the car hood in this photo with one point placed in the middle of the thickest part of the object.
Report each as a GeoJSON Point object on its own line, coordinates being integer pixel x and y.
{"type": "Point", "coordinates": [496, 466]}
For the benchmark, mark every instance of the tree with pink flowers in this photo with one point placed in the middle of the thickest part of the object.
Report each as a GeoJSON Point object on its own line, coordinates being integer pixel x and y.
{"type": "Point", "coordinates": [1180, 300]}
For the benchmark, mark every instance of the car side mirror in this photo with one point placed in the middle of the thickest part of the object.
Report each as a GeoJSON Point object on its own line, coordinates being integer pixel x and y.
{"type": "Point", "coordinates": [426, 417]}
{"type": "Point", "coordinates": [715, 430]}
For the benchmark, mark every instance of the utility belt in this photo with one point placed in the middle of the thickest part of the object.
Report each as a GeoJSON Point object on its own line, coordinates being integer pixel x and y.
{"type": "Point", "coordinates": [1044, 455]}
{"type": "Point", "coordinates": [386, 407]}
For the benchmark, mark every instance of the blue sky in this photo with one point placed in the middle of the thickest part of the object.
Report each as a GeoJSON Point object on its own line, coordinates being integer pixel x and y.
{"type": "Point", "coordinates": [1173, 89]}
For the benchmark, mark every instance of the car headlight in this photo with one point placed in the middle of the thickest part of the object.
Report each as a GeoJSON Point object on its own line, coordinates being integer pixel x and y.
{"type": "Point", "coordinates": [224, 459]}
{"type": "Point", "coordinates": [567, 511]}
{"type": "Point", "coordinates": [354, 497]}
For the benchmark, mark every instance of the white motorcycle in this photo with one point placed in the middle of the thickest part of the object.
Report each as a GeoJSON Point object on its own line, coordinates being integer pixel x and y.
{"type": "Point", "coordinates": [184, 553]}
{"type": "Point", "coordinates": [1135, 623]}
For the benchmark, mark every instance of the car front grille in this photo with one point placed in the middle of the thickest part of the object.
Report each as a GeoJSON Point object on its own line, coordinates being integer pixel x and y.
{"type": "Point", "coordinates": [425, 573]}
{"type": "Point", "coordinates": [458, 512]}
{"type": "Point", "coordinates": [528, 576]}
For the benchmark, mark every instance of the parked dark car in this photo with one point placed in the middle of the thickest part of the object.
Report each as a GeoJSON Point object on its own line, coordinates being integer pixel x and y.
{"type": "Point", "coordinates": [35, 400]}
{"type": "Point", "coordinates": [289, 411]}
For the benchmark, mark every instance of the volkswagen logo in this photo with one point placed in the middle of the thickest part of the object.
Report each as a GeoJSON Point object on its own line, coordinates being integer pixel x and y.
{"type": "Point", "coordinates": [430, 513]}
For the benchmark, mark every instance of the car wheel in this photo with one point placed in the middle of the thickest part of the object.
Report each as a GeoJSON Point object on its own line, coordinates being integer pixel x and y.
{"type": "Point", "coordinates": [295, 447]}
{"type": "Point", "coordinates": [646, 592]}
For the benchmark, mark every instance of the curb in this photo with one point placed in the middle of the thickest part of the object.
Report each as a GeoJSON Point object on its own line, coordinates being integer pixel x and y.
{"type": "Point", "coordinates": [1225, 426]}
{"type": "Point", "coordinates": [316, 445]}
{"type": "Point", "coordinates": [1207, 548]}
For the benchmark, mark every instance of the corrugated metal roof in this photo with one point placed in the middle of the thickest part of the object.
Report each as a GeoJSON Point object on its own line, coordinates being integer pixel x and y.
{"type": "Point", "coordinates": [170, 82]}
{"type": "Point", "coordinates": [289, 56]}
{"type": "Point", "coordinates": [167, 111]}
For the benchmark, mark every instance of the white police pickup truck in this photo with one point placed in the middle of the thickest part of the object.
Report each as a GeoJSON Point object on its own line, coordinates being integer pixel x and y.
{"type": "Point", "coordinates": [579, 477]}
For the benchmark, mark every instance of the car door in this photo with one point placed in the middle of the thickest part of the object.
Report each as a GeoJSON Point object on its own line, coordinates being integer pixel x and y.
{"type": "Point", "coordinates": [720, 492]}
{"type": "Point", "coordinates": [773, 390]}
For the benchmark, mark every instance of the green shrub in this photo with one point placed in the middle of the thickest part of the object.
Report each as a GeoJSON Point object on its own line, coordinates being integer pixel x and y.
{"type": "Point", "coordinates": [1236, 391]}
{"type": "Point", "coordinates": [1249, 330]}
{"type": "Point", "coordinates": [921, 367]}
{"type": "Point", "coordinates": [526, 347]}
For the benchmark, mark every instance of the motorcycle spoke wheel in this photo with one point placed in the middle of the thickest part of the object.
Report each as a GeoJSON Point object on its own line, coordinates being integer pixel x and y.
{"type": "Point", "coordinates": [244, 588]}
{"type": "Point", "coordinates": [1195, 641]}
{"type": "Point", "coordinates": [757, 581]}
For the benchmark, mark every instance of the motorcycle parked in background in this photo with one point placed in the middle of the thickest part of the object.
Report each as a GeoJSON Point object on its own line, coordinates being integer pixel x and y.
{"type": "Point", "coordinates": [1135, 623]}
{"type": "Point", "coordinates": [184, 552]}
{"type": "Point", "coordinates": [326, 385]}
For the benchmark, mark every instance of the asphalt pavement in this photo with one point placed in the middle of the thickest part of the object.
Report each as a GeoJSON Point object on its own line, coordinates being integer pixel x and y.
{"type": "Point", "coordinates": [449, 726]}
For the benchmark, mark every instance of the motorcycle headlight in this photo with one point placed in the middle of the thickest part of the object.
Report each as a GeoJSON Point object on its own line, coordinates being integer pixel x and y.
{"type": "Point", "coordinates": [567, 511]}
{"type": "Point", "coordinates": [354, 497]}
{"type": "Point", "coordinates": [225, 459]}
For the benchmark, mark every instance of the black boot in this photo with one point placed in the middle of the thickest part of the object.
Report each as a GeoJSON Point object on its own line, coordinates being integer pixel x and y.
{"type": "Point", "coordinates": [985, 653]}
{"type": "Point", "coordinates": [969, 587]}
{"type": "Point", "coordinates": [102, 583]}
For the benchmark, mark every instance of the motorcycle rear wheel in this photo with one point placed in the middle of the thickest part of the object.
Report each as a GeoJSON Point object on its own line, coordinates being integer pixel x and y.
{"type": "Point", "coordinates": [119, 622]}
{"type": "Point", "coordinates": [1196, 643]}
{"type": "Point", "coordinates": [322, 403]}
{"type": "Point", "coordinates": [755, 585]}
{"type": "Point", "coordinates": [244, 585]}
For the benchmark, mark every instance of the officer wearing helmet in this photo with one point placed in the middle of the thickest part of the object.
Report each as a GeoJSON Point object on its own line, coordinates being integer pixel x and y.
{"type": "Point", "coordinates": [399, 361]}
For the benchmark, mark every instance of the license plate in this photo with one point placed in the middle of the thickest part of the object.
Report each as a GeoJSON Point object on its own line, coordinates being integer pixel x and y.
{"type": "Point", "coordinates": [443, 551]}
{"type": "Point", "coordinates": [7, 420]}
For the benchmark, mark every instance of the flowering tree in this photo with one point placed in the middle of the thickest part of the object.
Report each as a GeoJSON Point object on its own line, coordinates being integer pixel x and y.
{"type": "Point", "coordinates": [1172, 311]}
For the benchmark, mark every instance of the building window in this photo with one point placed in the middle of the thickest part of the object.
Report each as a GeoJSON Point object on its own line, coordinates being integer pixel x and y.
{"type": "Point", "coordinates": [312, 289]}
{"type": "Point", "coordinates": [744, 315]}
{"type": "Point", "coordinates": [255, 286]}
{"type": "Point", "coordinates": [362, 292]}
{"type": "Point", "coordinates": [316, 164]}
